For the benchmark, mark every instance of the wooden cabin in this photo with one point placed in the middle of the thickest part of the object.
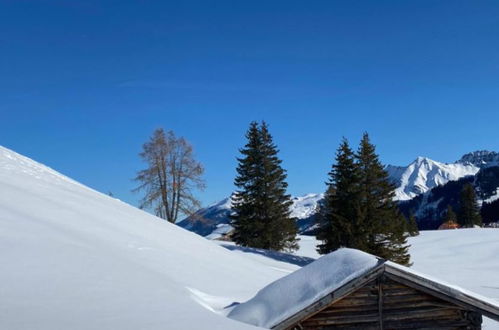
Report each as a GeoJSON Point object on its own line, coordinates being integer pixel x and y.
{"type": "Point", "coordinates": [391, 297]}
{"type": "Point", "coordinates": [385, 296]}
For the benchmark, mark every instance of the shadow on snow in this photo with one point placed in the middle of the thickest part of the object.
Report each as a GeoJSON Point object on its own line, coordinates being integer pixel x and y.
{"type": "Point", "coordinates": [279, 256]}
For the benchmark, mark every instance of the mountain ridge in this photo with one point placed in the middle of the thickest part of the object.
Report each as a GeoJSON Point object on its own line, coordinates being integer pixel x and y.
{"type": "Point", "coordinates": [416, 179]}
{"type": "Point", "coordinates": [480, 158]}
{"type": "Point", "coordinates": [423, 174]}
{"type": "Point", "coordinates": [214, 221]}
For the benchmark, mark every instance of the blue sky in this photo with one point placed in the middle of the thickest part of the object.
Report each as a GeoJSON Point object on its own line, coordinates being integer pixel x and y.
{"type": "Point", "coordinates": [84, 83]}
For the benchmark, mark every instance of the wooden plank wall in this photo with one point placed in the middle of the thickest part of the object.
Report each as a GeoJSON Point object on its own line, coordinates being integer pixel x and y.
{"type": "Point", "coordinates": [386, 304]}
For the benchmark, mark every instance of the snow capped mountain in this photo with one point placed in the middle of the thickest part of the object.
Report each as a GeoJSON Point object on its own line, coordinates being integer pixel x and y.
{"type": "Point", "coordinates": [423, 174]}
{"type": "Point", "coordinates": [481, 158]}
{"type": "Point", "coordinates": [431, 207]}
{"type": "Point", "coordinates": [213, 221]}
{"type": "Point", "coordinates": [305, 206]}
{"type": "Point", "coordinates": [419, 177]}
{"type": "Point", "coordinates": [206, 220]}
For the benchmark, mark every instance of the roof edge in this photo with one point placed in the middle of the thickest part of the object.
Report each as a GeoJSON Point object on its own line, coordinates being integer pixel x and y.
{"type": "Point", "coordinates": [434, 287]}
{"type": "Point", "coordinates": [334, 296]}
{"type": "Point", "coordinates": [444, 290]}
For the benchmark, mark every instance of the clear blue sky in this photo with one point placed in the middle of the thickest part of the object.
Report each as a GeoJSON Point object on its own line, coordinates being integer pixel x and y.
{"type": "Point", "coordinates": [84, 83]}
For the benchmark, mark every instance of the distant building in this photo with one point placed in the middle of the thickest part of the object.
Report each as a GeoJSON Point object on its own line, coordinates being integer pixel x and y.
{"type": "Point", "coordinates": [449, 225]}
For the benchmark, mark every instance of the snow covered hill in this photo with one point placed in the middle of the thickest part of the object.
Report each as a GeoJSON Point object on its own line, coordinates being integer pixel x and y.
{"type": "Point", "coordinates": [213, 221]}
{"type": "Point", "coordinates": [73, 258]}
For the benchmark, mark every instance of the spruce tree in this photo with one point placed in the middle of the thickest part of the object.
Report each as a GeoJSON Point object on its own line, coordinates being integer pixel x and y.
{"type": "Point", "coordinates": [450, 216]}
{"type": "Point", "coordinates": [244, 201]}
{"type": "Point", "coordinates": [382, 223]}
{"type": "Point", "coordinates": [261, 215]}
{"type": "Point", "coordinates": [412, 226]}
{"type": "Point", "coordinates": [469, 211]}
{"type": "Point", "coordinates": [339, 216]}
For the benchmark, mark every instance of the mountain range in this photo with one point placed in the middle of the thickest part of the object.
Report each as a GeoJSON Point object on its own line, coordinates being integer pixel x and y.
{"type": "Point", "coordinates": [424, 187]}
{"type": "Point", "coordinates": [214, 222]}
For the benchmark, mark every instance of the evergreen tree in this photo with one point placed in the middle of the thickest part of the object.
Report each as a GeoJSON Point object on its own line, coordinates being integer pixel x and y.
{"type": "Point", "coordinates": [383, 224]}
{"type": "Point", "coordinates": [339, 216]}
{"type": "Point", "coordinates": [450, 216]}
{"type": "Point", "coordinates": [469, 211]}
{"type": "Point", "coordinates": [261, 215]}
{"type": "Point", "coordinates": [412, 226]}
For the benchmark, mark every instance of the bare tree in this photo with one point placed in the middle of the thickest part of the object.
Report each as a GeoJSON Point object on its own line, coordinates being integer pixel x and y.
{"type": "Point", "coordinates": [171, 176]}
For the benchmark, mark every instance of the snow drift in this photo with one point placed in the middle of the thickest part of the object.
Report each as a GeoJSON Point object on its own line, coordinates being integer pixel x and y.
{"type": "Point", "coordinates": [73, 258]}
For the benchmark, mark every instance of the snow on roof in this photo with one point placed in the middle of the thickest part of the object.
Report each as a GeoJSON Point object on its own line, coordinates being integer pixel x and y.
{"type": "Point", "coordinates": [288, 295]}
{"type": "Point", "coordinates": [221, 230]}
{"type": "Point", "coordinates": [489, 305]}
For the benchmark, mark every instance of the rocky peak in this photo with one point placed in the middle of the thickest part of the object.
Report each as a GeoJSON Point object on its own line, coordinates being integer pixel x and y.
{"type": "Point", "coordinates": [481, 158]}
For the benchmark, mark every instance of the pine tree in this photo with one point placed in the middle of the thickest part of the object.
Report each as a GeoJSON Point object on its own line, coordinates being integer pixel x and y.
{"type": "Point", "coordinates": [338, 220]}
{"type": "Point", "coordinates": [450, 216]}
{"type": "Point", "coordinates": [412, 226]}
{"type": "Point", "coordinates": [469, 211]}
{"type": "Point", "coordinates": [382, 223]}
{"type": "Point", "coordinates": [244, 219]}
{"type": "Point", "coordinates": [261, 217]}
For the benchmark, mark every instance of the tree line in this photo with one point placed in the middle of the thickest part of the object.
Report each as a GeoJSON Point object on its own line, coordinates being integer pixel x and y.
{"type": "Point", "coordinates": [358, 210]}
{"type": "Point", "coordinates": [468, 214]}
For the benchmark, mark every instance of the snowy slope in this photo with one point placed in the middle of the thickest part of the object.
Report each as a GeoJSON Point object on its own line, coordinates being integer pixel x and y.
{"type": "Point", "coordinates": [73, 258]}
{"type": "Point", "coordinates": [305, 206]}
{"type": "Point", "coordinates": [213, 221]}
{"type": "Point", "coordinates": [493, 197]}
{"type": "Point", "coordinates": [423, 174]}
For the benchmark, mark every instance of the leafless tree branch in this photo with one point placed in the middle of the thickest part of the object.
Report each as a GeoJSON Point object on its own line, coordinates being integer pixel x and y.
{"type": "Point", "coordinates": [171, 177]}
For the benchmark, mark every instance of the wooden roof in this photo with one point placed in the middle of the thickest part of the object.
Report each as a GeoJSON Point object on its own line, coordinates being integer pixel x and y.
{"type": "Point", "coordinates": [408, 277]}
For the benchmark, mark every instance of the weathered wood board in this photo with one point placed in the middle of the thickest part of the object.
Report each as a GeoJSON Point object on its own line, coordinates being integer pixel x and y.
{"type": "Point", "coordinates": [384, 303]}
